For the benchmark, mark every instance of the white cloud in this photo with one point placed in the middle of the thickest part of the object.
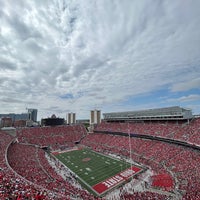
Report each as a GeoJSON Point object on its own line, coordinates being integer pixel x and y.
{"type": "Point", "coordinates": [105, 50]}
{"type": "Point", "coordinates": [187, 85]}
{"type": "Point", "coordinates": [188, 98]}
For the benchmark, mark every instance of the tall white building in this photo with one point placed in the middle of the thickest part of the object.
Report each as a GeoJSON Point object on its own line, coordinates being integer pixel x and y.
{"type": "Point", "coordinates": [95, 116]}
{"type": "Point", "coordinates": [71, 118]}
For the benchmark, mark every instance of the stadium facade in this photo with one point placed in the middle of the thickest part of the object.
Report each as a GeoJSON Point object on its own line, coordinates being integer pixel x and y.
{"type": "Point", "coordinates": [159, 114]}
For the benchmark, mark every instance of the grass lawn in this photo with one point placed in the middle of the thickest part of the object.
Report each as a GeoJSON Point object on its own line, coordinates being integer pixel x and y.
{"type": "Point", "coordinates": [91, 167]}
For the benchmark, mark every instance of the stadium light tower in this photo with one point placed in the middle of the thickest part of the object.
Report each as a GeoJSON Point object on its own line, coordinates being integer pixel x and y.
{"type": "Point", "coordinates": [129, 136]}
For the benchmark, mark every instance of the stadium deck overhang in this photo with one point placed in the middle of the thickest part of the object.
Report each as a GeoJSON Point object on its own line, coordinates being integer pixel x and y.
{"type": "Point", "coordinates": [171, 113]}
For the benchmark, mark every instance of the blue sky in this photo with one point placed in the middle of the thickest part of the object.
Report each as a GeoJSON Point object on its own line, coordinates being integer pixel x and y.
{"type": "Point", "coordinates": [77, 55]}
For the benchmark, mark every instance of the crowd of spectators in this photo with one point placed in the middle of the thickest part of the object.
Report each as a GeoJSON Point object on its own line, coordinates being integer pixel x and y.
{"type": "Point", "coordinates": [55, 137]}
{"type": "Point", "coordinates": [163, 158]}
{"type": "Point", "coordinates": [13, 186]}
{"type": "Point", "coordinates": [25, 173]}
{"type": "Point", "coordinates": [30, 162]}
{"type": "Point", "coordinates": [187, 131]}
{"type": "Point", "coordinates": [143, 196]}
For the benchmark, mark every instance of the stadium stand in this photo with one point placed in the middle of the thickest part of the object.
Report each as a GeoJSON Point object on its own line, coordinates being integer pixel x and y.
{"type": "Point", "coordinates": [182, 162]}
{"type": "Point", "coordinates": [160, 157]}
{"type": "Point", "coordinates": [54, 137]}
{"type": "Point", "coordinates": [12, 185]}
{"type": "Point", "coordinates": [27, 173]}
{"type": "Point", "coordinates": [182, 131]}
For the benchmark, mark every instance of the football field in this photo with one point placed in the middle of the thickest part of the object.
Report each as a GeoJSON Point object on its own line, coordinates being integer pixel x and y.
{"type": "Point", "coordinates": [97, 172]}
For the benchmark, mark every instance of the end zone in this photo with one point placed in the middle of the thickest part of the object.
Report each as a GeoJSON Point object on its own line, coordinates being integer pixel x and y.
{"type": "Point", "coordinates": [113, 181]}
{"type": "Point", "coordinates": [66, 150]}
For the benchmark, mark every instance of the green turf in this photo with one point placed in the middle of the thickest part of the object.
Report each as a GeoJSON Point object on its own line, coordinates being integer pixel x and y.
{"type": "Point", "coordinates": [97, 169]}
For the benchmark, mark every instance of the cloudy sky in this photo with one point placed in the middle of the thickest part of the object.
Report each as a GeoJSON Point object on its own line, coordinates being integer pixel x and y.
{"type": "Point", "coordinates": [77, 55]}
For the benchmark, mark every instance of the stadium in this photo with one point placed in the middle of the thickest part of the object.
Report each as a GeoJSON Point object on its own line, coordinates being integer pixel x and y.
{"type": "Point", "coordinates": [147, 154]}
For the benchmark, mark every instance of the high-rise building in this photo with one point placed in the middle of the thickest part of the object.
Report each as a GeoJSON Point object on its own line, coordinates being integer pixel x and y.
{"type": "Point", "coordinates": [95, 116]}
{"type": "Point", "coordinates": [32, 114]}
{"type": "Point", "coordinates": [71, 119]}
